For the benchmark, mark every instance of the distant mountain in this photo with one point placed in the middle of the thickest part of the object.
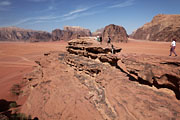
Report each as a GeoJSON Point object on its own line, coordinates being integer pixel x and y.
{"type": "Point", "coordinates": [70, 32]}
{"type": "Point", "coordinates": [58, 35]}
{"type": "Point", "coordinates": [98, 32]}
{"type": "Point", "coordinates": [78, 30]}
{"type": "Point", "coordinates": [115, 32]}
{"type": "Point", "coordinates": [19, 34]}
{"type": "Point", "coordinates": [161, 28]}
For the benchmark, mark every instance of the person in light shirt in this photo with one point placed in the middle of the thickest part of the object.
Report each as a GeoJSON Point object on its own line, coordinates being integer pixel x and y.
{"type": "Point", "coordinates": [173, 46]}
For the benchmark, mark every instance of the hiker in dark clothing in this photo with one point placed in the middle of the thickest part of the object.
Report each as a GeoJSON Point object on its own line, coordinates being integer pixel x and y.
{"type": "Point", "coordinates": [112, 48]}
{"type": "Point", "coordinates": [100, 40]}
{"type": "Point", "coordinates": [109, 40]}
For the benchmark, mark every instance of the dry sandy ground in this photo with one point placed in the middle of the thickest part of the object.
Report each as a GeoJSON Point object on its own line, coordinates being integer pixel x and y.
{"type": "Point", "coordinates": [17, 59]}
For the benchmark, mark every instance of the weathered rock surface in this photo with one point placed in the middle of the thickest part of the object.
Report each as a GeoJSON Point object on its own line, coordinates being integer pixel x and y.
{"type": "Point", "coordinates": [78, 30]}
{"type": "Point", "coordinates": [161, 28]}
{"type": "Point", "coordinates": [98, 32]}
{"type": "Point", "coordinates": [58, 34]}
{"type": "Point", "coordinates": [162, 72]}
{"type": "Point", "coordinates": [116, 33]}
{"type": "Point", "coordinates": [92, 49]}
{"type": "Point", "coordinates": [19, 34]}
{"type": "Point", "coordinates": [69, 33]}
{"type": "Point", "coordinates": [71, 85]}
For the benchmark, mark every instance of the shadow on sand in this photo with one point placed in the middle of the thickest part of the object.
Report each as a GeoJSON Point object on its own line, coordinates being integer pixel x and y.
{"type": "Point", "coordinates": [6, 111]}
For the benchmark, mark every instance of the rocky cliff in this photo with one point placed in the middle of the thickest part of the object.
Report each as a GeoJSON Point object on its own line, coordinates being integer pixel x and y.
{"type": "Point", "coordinates": [88, 82]}
{"type": "Point", "coordinates": [116, 33]}
{"type": "Point", "coordinates": [98, 32]}
{"type": "Point", "coordinates": [58, 34]}
{"type": "Point", "coordinates": [161, 28]}
{"type": "Point", "coordinates": [78, 30]}
{"type": "Point", "coordinates": [19, 34]}
{"type": "Point", "coordinates": [69, 33]}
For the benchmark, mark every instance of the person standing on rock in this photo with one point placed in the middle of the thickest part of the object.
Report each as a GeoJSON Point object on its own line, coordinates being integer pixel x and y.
{"type": "Point", "coordinates": [109, 40]}
{"type": "Point", "coordinates": [173, 46]}
{"type": "Point", "coordinates": [97, 38]}
{"type": "Point", "coordinates": [100, 40]}
{"type": "Point", "coordinates": [112, 49]}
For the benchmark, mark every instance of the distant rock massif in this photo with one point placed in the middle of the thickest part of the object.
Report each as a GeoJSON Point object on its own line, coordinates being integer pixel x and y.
{"type": "Point", "coordinates": [98, 32]}
{"type": "Point", "coordinates": [161, 28]}
{"type": "Point", "coordinates": [19, 34]}
{"type": "Point", "coordinates": [117, 33]}
{"type": "Point", "coordinates": [70, 32]}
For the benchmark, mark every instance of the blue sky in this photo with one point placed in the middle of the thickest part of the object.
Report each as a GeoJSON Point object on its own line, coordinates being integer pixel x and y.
{"type": "Point", "coordinates": [48, 15]}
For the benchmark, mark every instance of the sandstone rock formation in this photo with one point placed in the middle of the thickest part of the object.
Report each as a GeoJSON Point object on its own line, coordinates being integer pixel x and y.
{"type": "Point", "coordinates": [162, 72]}
{"type": "Point", "coordinates": [19, 34]}
{"type": "Point", "coordinates": [161, 28]}
{"type": "Point", "coordinates": [58, 34]}
{"type": "Point", "coordinates": [88, 82]}
{"type": "Point", "coordinates": [78, 30]}
{"type": "Point", "coordinates": [116, 33]}
{"type": "Point", "coordinates": [69, 33]}
{"type": "Point", "coordinates": [98, 32]}
{"type": "Point", "coordinates": [92, 49]}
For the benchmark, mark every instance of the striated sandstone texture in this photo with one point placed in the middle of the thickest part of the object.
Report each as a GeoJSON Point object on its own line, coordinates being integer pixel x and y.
{"type": "Point", "coordinates": [160, 71]}
{"type": "Point", "coordinates": [87, 83]}
{"type": "Point", "coordinates": [19, 34]}
{"type": "Point", "coordinates": [161, 28]}
{"type": "Point", "coordinates": [115, 32]}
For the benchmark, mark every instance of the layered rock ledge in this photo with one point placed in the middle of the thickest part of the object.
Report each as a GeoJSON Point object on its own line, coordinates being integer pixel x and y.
{"type": "Point", "coordinates": [158, 71]}
{"type": "Point", "coordinates": [94, 50]}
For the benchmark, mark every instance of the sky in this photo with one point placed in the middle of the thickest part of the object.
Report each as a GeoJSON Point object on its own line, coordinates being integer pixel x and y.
{"type": "Point", "coordinates": [48, 15]}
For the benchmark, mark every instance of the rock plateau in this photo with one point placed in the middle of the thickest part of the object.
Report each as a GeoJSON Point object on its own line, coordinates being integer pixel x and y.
{"type": "Point", "coordinates": [88, 82]}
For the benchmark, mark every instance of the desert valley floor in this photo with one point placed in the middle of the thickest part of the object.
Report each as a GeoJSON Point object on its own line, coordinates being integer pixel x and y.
{"type": "Point", "coordinates": [17, 59]}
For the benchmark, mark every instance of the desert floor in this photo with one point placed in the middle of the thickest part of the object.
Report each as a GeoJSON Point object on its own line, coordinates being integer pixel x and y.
{"type": "Point", "coordinates": [17, 59]}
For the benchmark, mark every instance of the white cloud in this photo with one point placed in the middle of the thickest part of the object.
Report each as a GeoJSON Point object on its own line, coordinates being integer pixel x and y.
{"type": "Point", "coordinates": [5, 3]}
{"type": "Point", "coordinates": [124, 4]}
{"type": "Point", "coordinates": [76, 11]}
{"type": "Point", "coordinates": [57, 18]}
{"type": "Point", "coordinates": [34, 19]}
{"type": "Point", "coordinates": [37, 0]}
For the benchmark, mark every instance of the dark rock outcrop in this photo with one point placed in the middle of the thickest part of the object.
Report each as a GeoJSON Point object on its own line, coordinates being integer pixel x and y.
{"type": "Point", "coordinates": [161, 28]}
{"type": "Point", "coordinates": [116, 33]}
{"type": "Point", "coordinates": [19, 34]}
{"type": "Point", "coordinates": [57, 35]}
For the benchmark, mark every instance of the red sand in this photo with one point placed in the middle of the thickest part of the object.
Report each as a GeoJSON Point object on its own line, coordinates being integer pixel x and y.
{"type": "Point", "coordinates": [17, 59]}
